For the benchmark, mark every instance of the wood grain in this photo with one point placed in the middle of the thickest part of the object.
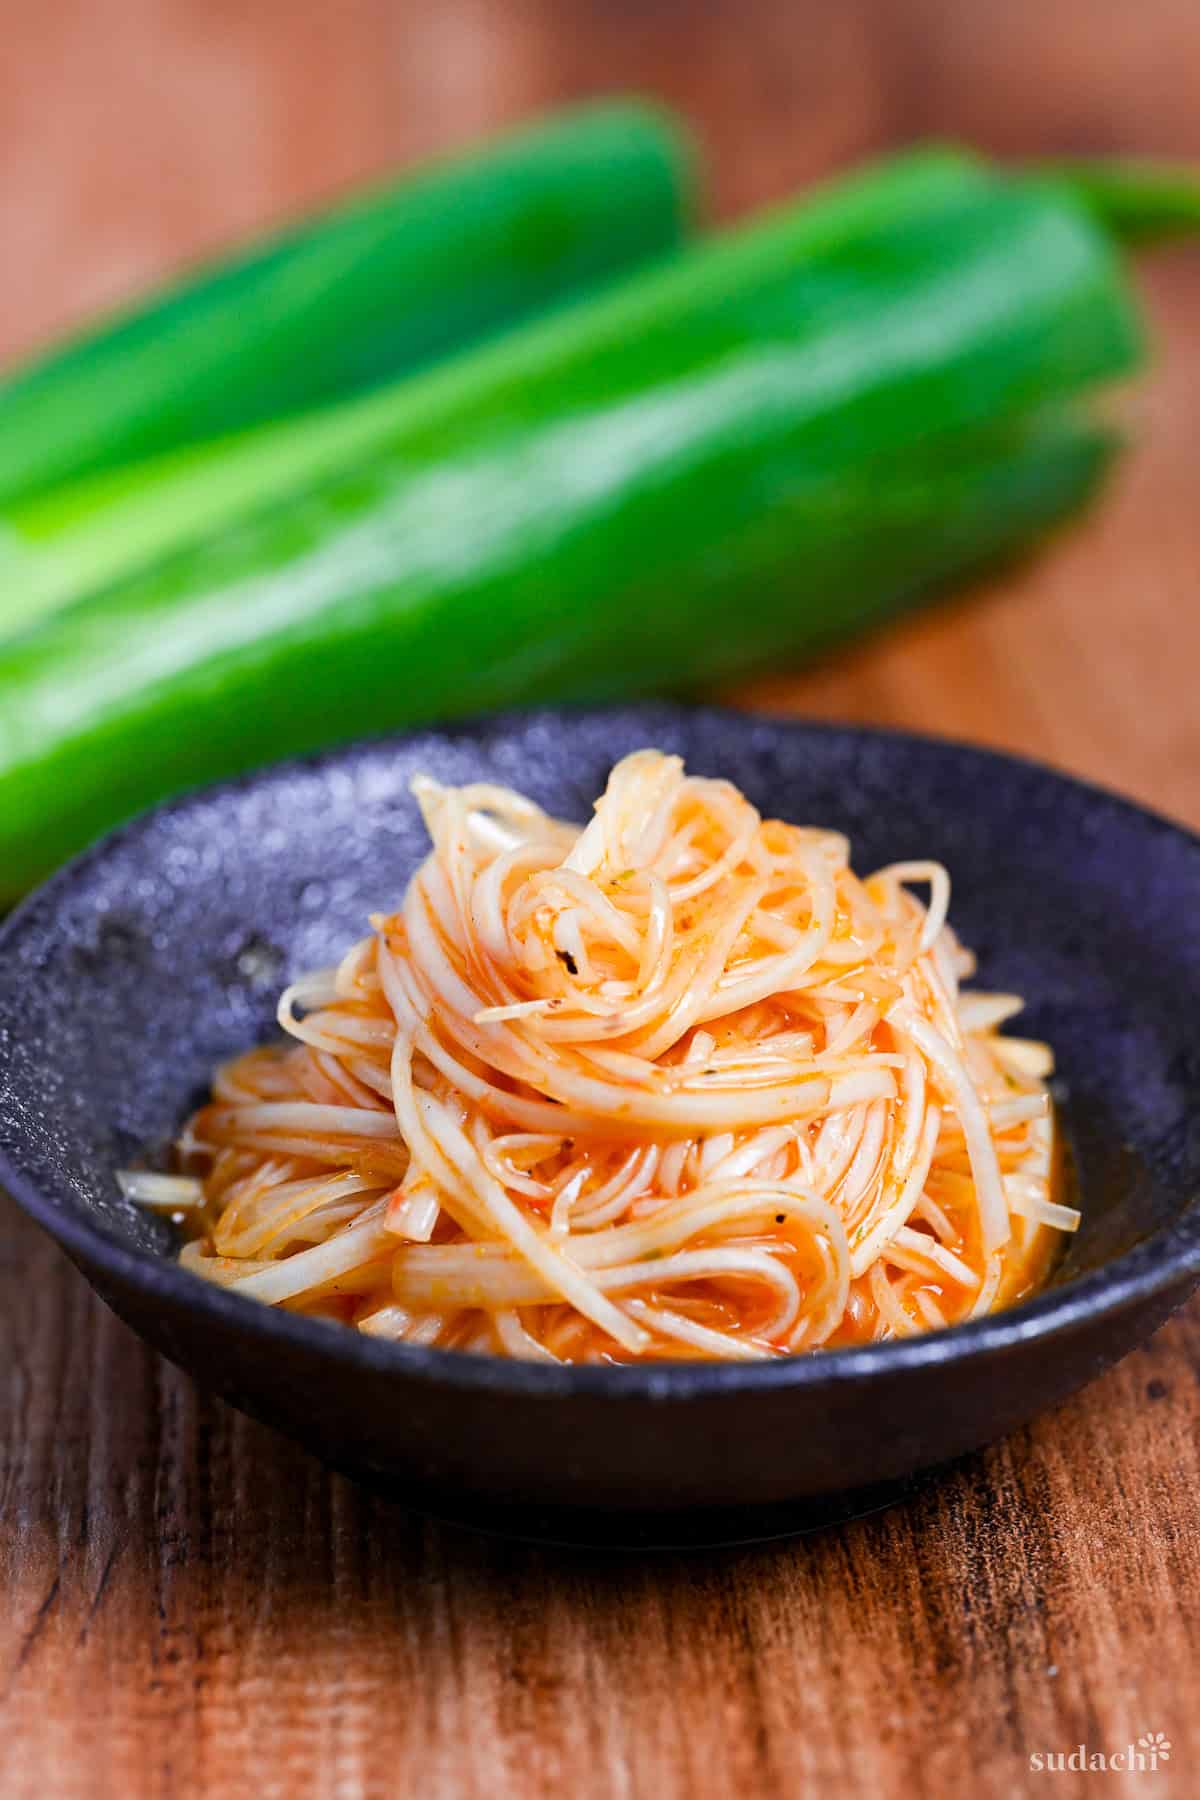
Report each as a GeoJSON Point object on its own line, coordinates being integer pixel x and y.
{"type": "Point", "coordinates": [193, 1606]}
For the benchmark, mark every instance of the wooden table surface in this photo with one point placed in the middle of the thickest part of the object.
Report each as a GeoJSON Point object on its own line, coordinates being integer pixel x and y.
{"type": "Point", "coordinates": [190, 1605]}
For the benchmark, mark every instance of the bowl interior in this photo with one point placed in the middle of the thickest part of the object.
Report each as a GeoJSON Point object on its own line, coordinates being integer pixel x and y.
{"type": "Point", "coordinates": [137, 969]}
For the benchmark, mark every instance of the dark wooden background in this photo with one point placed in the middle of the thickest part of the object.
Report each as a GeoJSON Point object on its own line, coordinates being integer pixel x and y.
{"type": "Point", "coordinates": [189, 1605]}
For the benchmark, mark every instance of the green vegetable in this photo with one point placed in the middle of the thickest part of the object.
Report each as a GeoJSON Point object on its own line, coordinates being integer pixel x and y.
{"type": "Point", "coordinates": [385, 283]}
{"type": "Point", "coordinates": [65, 543]}
{"type": "Point", "coordinates": [783, 433]}
{"type": "Point", "coordinates": [1140, 201]}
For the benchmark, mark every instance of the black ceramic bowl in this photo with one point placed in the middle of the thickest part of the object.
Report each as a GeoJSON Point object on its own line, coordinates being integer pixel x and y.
{"type": "Point", "coordinates": [137, 968]}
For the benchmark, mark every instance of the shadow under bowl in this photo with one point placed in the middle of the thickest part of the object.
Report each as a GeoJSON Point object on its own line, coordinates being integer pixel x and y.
{"type": "Point", "coordinates": [127, 977]}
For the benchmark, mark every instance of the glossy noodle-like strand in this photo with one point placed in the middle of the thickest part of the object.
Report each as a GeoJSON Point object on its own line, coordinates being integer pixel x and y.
{"type": "Point", "coordinates": [675, 1083]}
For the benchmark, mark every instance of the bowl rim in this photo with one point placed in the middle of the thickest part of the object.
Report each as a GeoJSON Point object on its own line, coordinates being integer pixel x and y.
{"type": "Point", "coordinates": [1165, 1259]}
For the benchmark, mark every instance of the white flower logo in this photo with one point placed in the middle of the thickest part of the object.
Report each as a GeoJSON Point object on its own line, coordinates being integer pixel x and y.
{"type": "Point", "coordinates": [1158, 1744]}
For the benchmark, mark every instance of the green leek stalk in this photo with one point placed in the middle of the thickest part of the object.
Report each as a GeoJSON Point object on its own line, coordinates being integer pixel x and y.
{"type": "Point", "coordinates": [387, 282]}
{"type": "Point", "coordinates": [777, 437]}
{"type": "Point", "coordinates": [75, 538]}
{"type": "Point", "coordinates": [1139, 200]}
{"type": "Point", "coordinates": [61, 545]}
